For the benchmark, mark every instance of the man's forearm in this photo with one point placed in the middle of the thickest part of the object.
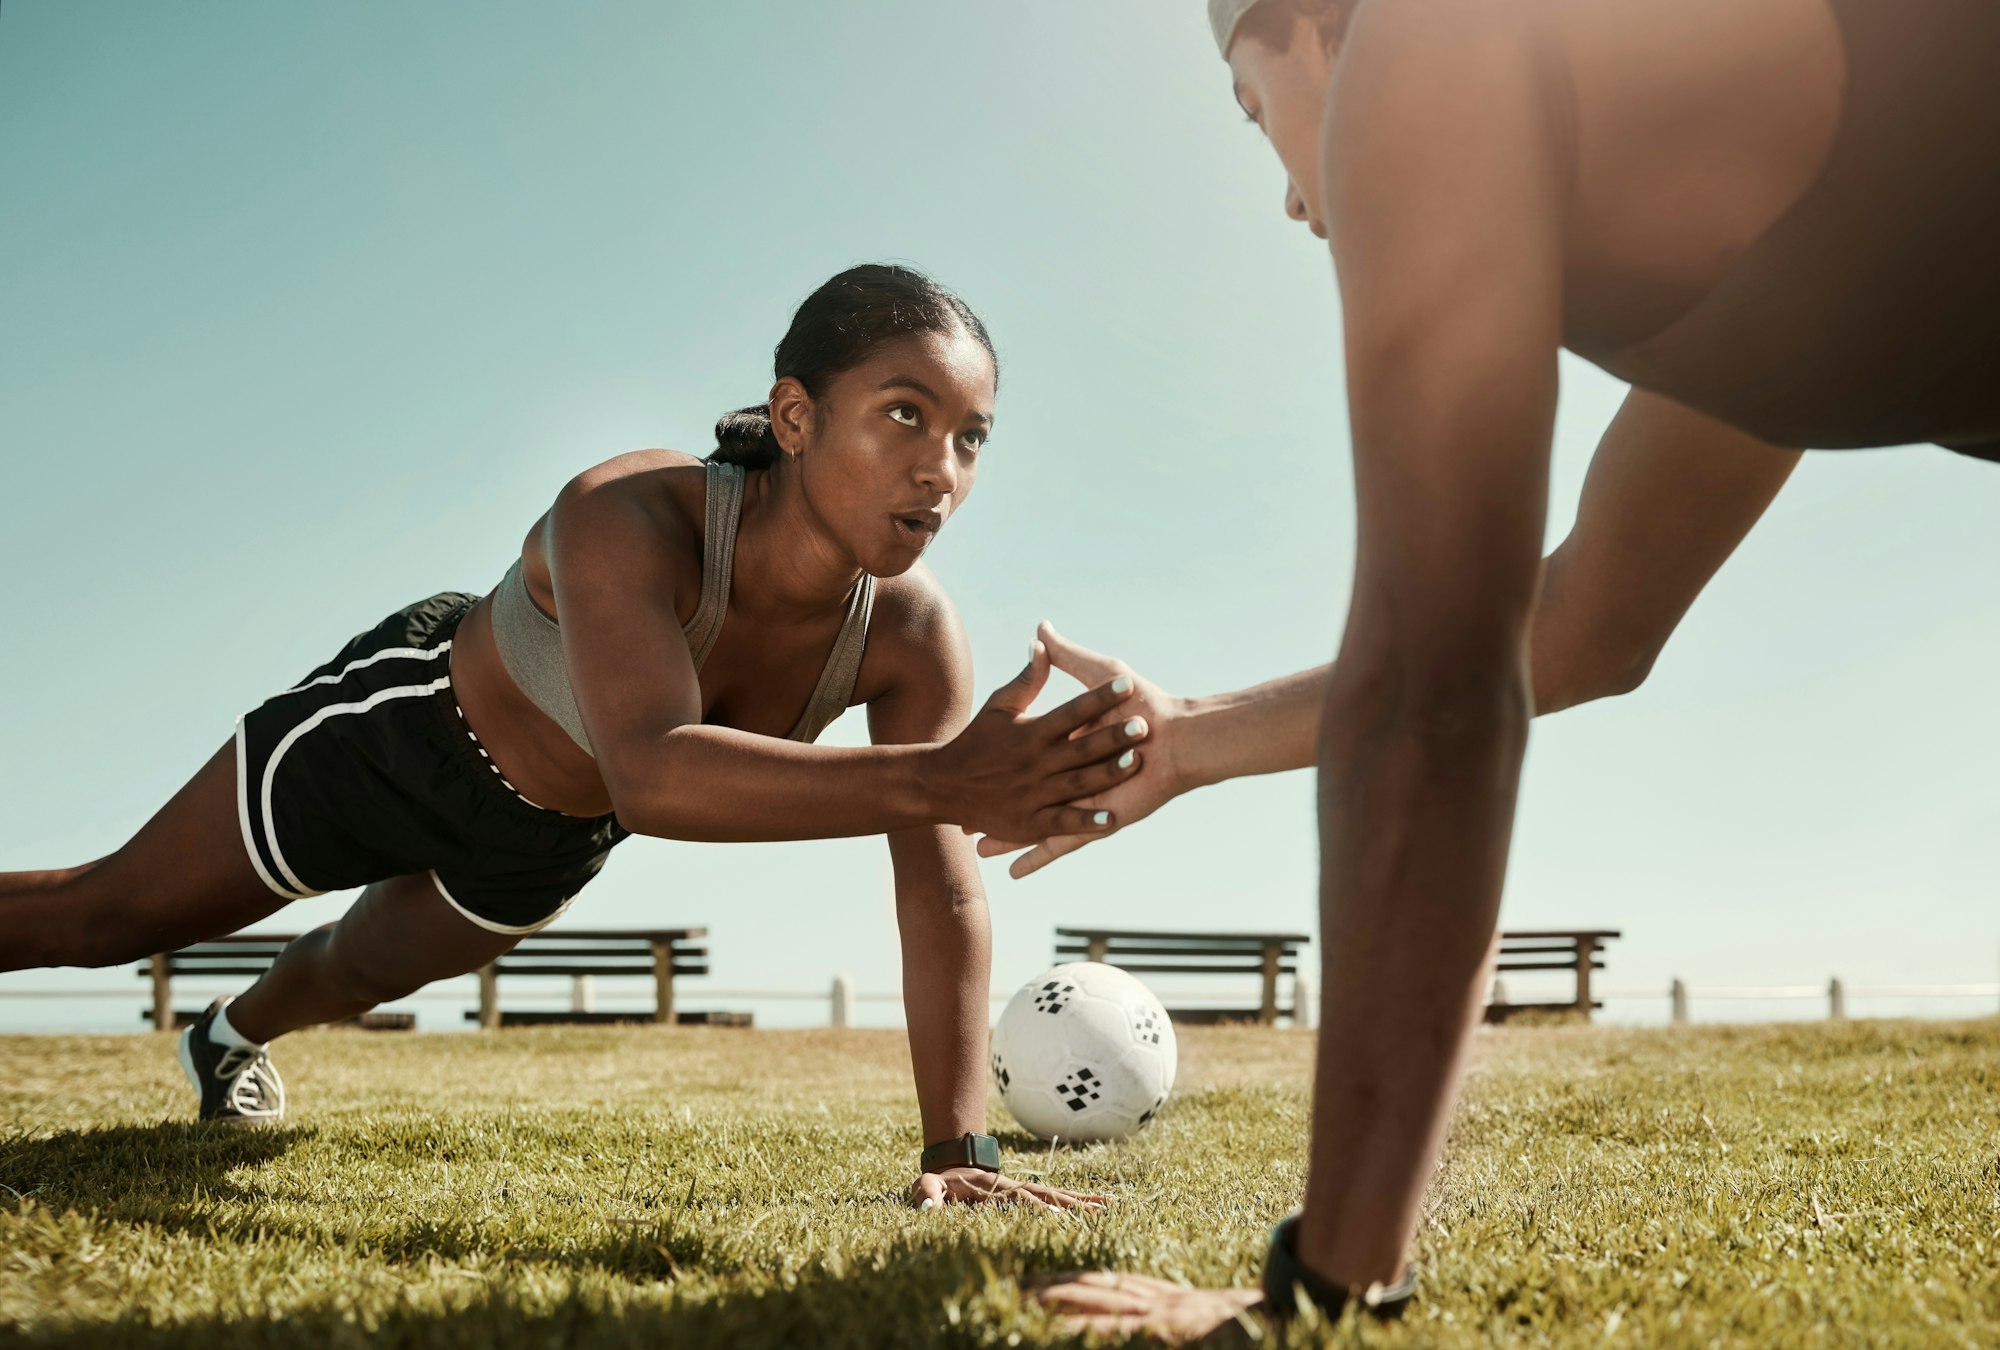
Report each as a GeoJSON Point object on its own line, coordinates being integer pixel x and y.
{"type": "Point", "coordinates": [1416, 809]}
{"type": "Point", "coordinates": [1266, 729]}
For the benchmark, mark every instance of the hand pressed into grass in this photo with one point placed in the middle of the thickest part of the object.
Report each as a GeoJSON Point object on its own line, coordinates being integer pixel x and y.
{"type": "Point", "coordinates": [973, 1186]}
{"type": "Point", "coordinates": [1125, 1305]}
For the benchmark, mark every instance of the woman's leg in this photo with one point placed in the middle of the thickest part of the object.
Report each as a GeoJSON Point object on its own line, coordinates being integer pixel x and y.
{"type": "Point", "coordinates": [398, 937]}
{"type": "Point", "coordinates": [183, 877]}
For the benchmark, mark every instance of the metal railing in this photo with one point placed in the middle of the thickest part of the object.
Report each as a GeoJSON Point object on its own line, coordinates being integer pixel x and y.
{"type": "Point", "coordinates": [842, 997]}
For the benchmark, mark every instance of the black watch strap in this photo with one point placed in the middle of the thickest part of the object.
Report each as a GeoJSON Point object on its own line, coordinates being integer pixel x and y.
{"type": "Point", "coordinates": [1285, 1280]}
{"type": "Point", "coordinates": [968, 1150]}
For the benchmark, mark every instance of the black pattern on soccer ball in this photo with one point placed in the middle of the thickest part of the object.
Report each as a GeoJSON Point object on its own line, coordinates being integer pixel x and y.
{"type": "Point", "coordinates": [1054, 996]}
{"type": "Point", "coordinates": [1000, 1074]}
{"type": "Point", "coordinates": [1154, 1109]}
{"type": "Point", "coordinates": [1145, 1026]}
{"type": "Point", "coordinates": [1078, 1090]}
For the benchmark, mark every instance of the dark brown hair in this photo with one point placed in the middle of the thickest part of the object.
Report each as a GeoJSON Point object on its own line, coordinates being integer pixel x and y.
{"type": "Point", "coordinates": [839, 326]}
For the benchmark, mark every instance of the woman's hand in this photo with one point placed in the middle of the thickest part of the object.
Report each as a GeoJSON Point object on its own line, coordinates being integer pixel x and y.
{"type": "Point", "coordinates": [1155, 783]}
{"type": "Point", "coordinates": [1016, 776]}
{"type": "Point", "coordinates": [972, 1186]}
{"type": "Point", "coordinates": [1127, 1305]}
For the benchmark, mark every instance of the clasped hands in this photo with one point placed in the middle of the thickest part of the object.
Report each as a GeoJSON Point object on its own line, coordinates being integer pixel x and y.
{"type": "Point", "coordinates": [1153, 782]}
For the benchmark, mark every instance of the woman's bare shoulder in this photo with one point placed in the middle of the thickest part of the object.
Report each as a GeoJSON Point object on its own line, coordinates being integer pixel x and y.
{"type": "Point", "coordinates": [639, 514]}
{"type": "Point", "coordinates": [914, 607]}
{"type": "Point", "coordinates": [667, 484]}
{"type": "Point", "coordinates": [914, 634]}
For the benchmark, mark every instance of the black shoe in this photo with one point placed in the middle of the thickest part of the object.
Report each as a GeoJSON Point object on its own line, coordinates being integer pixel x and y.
{"type": "Point", "coordinates": [238, 1084]}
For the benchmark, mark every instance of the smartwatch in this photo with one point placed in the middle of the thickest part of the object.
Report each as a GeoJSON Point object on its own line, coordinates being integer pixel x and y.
{"type": "Point", "coordinates": [968, 1150]}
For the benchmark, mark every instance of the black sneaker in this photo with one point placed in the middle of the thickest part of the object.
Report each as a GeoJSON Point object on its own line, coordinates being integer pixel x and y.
{"type": "Point", "coordinates": [238, 1084]}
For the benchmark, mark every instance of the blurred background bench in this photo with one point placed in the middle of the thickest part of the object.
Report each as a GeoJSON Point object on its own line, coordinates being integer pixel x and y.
{"type": "Point", "coordinates": [1265, 955]}
{"type": "Point", "coordinates": [1577, 950]}
{"type": "Point", "coordinates": [1271, 955]}
{"type": "Point", "coordinates": [580, 955]}
{"type": "Point", "coordinates": [588, 955]}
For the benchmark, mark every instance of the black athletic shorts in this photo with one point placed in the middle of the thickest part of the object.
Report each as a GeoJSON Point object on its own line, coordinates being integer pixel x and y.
{"type": "Point", "coordinates": [366, 770]}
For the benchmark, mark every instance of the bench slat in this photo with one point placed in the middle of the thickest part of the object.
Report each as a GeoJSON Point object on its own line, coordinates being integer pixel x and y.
{"type": "Point", "coordinates": [1544, 965]}
{"type": "Point", "coordinates": [1114, 934]}
{"type": "Point", "coordinates": [1562, 933]}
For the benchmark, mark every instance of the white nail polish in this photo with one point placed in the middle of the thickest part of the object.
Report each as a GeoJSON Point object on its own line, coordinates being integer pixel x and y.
{"type": "Point", "coordinates": [1101, 818]}
{"type": "Point", "coordinates": [1122, 685]}
{"type": "Point", "coordinates": [1135, 727]}
{"type": "Point", "coordinates": [930, 1202]}
{"type": "Point", "coordinates": [1125, 760]}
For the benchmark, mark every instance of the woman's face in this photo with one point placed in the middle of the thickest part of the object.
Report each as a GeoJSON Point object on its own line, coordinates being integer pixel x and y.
{"type": "Point", "coordinates": [890, 448]}
{"type": "Point", "coordinates": [1284, 92]}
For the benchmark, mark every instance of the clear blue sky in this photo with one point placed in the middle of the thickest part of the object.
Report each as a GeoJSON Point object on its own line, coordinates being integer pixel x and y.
{"type": "Point", "coordinates": [308, 310]}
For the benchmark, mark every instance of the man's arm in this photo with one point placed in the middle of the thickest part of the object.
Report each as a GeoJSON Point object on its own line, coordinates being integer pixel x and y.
{"type": "Point", "coordinates": [1446, 192]}
{"type": "Point", "coordinates": [1669, 495]}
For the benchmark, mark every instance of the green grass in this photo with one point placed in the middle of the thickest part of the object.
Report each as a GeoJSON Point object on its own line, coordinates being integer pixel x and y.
{"type": "Point", "coordinates": [1826, 1184]}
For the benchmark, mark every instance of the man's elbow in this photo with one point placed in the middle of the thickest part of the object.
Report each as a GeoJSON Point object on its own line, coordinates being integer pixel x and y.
{"type": "Point", "coordinates": [1611, 672]}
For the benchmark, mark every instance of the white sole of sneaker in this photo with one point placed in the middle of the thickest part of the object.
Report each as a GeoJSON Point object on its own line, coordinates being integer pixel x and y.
{"type": "Point", "coordinates": [187, 1066]}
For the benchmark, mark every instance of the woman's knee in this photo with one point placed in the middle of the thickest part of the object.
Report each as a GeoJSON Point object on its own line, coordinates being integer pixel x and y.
{"type": "Point", "coordinates": [71, 917]}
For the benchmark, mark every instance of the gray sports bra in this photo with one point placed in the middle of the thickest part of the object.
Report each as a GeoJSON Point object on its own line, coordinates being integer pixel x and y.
{"type": "Point", "coordinates": [530, 641]}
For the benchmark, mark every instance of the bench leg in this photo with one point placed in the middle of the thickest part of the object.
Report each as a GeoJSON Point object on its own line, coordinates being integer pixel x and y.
{"type": "Point", "coordinates": [1586, 957]}
{"type": "Point", "coordinates": [1267, 1013]}
{"type": "Point", "coordinates": [489, 998]}
{"type": "Point", "coordinates": [163, 994]}
{"type": "Point", "coordinates": [663, 982]}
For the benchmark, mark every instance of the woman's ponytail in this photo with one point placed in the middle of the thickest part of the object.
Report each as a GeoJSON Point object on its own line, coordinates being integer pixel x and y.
{"type": "Point", "coordinates": [744, 437]}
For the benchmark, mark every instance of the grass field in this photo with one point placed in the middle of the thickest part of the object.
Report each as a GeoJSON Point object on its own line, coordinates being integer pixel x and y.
{"type": "Point", "coordinates": [1814, 1185]}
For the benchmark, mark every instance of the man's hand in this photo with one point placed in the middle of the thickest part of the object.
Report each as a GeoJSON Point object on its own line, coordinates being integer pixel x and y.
{"type": "Point", "coordinates": [974, 1186]}
{"type": "Point", "coordinates": [1159, 779]}
{"type": "Point", "coordinates": [1127, 1305]}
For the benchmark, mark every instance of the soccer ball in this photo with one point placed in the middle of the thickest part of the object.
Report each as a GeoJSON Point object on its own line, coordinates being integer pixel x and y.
{"type": "Point", "coordinates": [1084, 1052]}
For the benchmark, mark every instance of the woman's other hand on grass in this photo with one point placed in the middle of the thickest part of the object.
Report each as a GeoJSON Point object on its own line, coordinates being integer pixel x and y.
{"type": "Point", "coordinates": [974, 1186]}
{"type": "Point", "coordinates": [1158, 780]}
{"type": "Point", "coordinates": [1018, 777]}
{"type": "Point", "coordinates": [1129, 1305]}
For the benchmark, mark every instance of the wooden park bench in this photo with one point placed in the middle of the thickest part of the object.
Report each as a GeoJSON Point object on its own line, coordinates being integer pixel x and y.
{"type": "Point", "coordinates": [581, 954]}
{"type": "Point", "coordinates": [1577, 950]}
{"type": "Point", "coordinates": [1265, 955]}
{"type": "Point", "coordinates": [239, 954]}
{"type": "Point", "coordinates": [585, 955]}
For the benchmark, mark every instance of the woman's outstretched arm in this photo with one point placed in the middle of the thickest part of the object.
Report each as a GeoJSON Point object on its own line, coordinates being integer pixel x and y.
{"type": "Point", "coordinates": [669, 775]}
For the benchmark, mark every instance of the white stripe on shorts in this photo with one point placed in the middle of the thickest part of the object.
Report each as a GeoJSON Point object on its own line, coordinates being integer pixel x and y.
{"type": "Point", "coordinates": [243, 820]}
{"type": "Point", "coordinates": [488, 924]}
{"type": "Point", "coordinates": [291, 738]}
{"type": "Point", "coordinates": [388, 653]}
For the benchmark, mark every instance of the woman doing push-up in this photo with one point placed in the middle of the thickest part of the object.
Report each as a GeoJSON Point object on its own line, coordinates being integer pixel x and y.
{"type": "Point", "coordinates": [657, 661]}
